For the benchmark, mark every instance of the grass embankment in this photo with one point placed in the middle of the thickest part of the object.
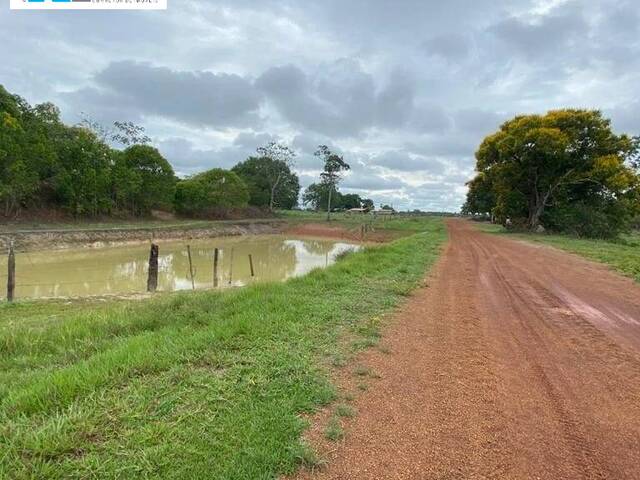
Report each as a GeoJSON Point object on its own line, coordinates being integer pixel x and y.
{"type": "Point", "coordinates": [198, 385]}
{"type": "Point", "coordinates": [405, 223]}
{"type": "Point", "coordinates": [292, 216]}
{"type": "Point", "coordinates": [623, 254]}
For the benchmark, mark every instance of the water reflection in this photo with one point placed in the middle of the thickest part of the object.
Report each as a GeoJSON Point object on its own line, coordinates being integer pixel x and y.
{"type": "Point", "coordinates": [123, 269]}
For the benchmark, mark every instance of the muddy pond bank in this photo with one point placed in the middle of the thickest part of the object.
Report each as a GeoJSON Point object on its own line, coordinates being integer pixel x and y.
{"type": "Point", "coordinates": [33, 240]}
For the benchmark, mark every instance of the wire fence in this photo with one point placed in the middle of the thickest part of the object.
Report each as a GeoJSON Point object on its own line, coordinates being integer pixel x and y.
{"type": "Point", "coordinates": [140, 270]}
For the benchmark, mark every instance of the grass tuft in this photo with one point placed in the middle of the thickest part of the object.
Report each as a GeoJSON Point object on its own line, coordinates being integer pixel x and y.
{"type": "Point", "coordinates": [334, 430]}
{"type": "Point", "coordinates": [343, 410]}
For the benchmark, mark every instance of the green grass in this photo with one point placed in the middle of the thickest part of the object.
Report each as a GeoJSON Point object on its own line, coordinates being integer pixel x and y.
{"type": "Point", "coordinates": [344, 410]}
{"type": "Point", "coordinates": [191, 385]}
{"type": "Point", "coordinates": [334, 430]}
{"type": "Point", "coordinates": [623, 254]}
{"type": "Point", "coordinates": [400, 222]}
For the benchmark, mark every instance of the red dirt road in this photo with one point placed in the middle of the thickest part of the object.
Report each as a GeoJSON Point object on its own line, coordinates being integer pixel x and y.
{"type": "Point", "coordinates": [516, 362]}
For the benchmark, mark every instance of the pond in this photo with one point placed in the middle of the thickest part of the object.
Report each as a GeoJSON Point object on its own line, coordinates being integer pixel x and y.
{"type": "Point", "coordinates": [120, 270]}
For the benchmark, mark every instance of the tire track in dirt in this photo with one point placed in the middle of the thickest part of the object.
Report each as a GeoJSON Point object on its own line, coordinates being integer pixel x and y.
{"type": "Point", "coordinates": [518, 361]}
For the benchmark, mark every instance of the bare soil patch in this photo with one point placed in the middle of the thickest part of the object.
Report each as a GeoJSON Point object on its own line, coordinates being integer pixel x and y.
{"type": "Point", "coordinates": [513, 362]}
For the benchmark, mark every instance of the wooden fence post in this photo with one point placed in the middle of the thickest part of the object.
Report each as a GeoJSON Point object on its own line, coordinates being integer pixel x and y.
{"type": "Point", "coordinates": [152, 279]}
{"type": "Point", "coordinates": [215, 268]}
{"type": "Point", "coordinates": [251, 265]}
{"type": "Point", "coordinates": [231, 267]}
{"type": "Point", "coordinates": [193, 283]}
{"type": "Point", "coordinates": [11, 278]}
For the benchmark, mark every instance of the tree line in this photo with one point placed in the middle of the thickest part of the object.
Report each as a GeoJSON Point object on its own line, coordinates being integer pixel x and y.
{"type": "Point", "coordinates": [89, 170]}
{"type": "Point", "coordinates": [565, 171]}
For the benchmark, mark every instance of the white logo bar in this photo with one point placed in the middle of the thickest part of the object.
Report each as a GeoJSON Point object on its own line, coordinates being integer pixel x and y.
{"type": "Point", "coordinates": [88, 4]}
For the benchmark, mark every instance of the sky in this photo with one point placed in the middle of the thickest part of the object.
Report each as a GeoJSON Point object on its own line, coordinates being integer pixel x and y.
{"type": "Point", "coordinates": [405, 90]}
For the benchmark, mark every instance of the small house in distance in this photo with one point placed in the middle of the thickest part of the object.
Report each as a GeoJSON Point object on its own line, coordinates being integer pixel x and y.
{"type": "Point", "coordinates": [358, 211]}
{"type": "Point", "coordinates": [385, 211]}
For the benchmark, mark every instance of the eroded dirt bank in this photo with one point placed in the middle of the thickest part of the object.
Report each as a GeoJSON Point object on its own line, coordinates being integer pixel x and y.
{"type": "Point", "coordinates": [516, 362]}
{"type": "Point", "coordinates": [60, 239]}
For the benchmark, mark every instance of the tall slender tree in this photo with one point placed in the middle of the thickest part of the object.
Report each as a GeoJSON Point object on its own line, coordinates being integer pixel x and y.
{"type": "Point", "coordinates": [269, 177]}
{"type": "Point", "coordinates": [334, 166]}
{"type": "Point", "coordinates": [278, 170]}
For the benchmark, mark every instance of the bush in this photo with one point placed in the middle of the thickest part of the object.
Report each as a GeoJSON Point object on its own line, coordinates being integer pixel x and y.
{"type": "Point", "coordinates": [143, 180]}
{"type": "Point", "coordinates": [211, 193]}
{"type": "Point", "coordinates": [606, 220]}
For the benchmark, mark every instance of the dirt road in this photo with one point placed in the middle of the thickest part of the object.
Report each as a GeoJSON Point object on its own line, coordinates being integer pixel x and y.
{"type": "Point", "coordinates": [516, 362]}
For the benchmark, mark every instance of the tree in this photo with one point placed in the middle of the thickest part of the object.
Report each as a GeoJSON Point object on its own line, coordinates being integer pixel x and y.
{"type": "Point", "coordinates": [45, 163]}
{"type": "Point", "coordinates": [82, 183]}
{"type": "Point", "coordinates": [143, 180]}
{"type": "Point", "coordinates": [480, 197]}
{"type": "Point", "coordinates": [334, 165]}
{"type": "Point", "coordinates": [211, 193]}
{"type": "Point", "coordinates": [568, 159]}
{"type": "Point", "coordinates": [368, 204]}
{"type": "Point", "coordinates": [317, 195]}
{"type": "Point", "coordinates": [18, 176]}
{"type": "Point", "coordinates": [128, 133]}
{"type": "Point", "coordinates": [271, 182]}
{"type": "Point", "coordinates": [634, 159]}
{"type": "Point", "coordinates": [17, 180]}
{"type": "Point", "coordinates": [123, 133]}
{"type": "Point", "coordinates": [279, 169]}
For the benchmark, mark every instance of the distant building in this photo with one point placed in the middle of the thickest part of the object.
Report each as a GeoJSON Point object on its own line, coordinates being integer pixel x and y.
{"type": "Point", "coordinates": [360, 211]}
{"type": "Point", "coordinates": [385, 211]}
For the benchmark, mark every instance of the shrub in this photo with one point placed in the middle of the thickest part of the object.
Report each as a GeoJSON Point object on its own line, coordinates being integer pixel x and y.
{"type": "Point", "coordinates": [605, 219]}
{"type": "Point", "coordinates": [143, 180]}
{"type": "Point", "coordinates": [210, 192]}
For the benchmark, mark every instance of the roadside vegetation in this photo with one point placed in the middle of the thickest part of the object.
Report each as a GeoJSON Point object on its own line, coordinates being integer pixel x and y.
{"type": "Point", "coordinates": [623, 254]}
{"type": "Point", "coordinates": [565, 171]}
{"type": "Point", "coordinates": [197, 385]}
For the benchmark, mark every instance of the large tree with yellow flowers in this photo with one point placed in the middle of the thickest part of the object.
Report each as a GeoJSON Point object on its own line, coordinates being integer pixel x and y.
{"type": "Point", "coordinates": [566, 170]}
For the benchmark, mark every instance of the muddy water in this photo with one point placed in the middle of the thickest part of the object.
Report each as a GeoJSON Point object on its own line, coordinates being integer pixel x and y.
{"type": "Point", "coordinates": [123, 269]}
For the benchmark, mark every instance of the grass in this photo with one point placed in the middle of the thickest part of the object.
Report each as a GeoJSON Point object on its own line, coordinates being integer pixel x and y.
{"type": "Point", "coordinates": [334, 430]}
{"type": "Point", "coordinates": [622, 254]}
{"type": "Point", "coordinates": [191, 385]}
{"type": "Point", "coordinates": [344, 410]}
{"type": "Point", "coordinates": [401, 222]}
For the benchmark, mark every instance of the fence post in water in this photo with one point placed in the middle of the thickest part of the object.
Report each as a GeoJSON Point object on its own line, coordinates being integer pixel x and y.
{"type": "Point", "coordinates": [251, 265]}
{"type": "Point", "coordinates": [152, 279]}
{"type": "Point", "coordinates": [231, 267]}
{"type": "Point", "coordinates": [193, 283]}
{"type": "Point", "coordinates": [215, 268]}
{"type": "Point", "coordinates": [11, 278]}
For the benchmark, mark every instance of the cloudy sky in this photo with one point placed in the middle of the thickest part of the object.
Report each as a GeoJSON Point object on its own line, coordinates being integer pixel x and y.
{"type": "Point", "coordinates": [404, 89]}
